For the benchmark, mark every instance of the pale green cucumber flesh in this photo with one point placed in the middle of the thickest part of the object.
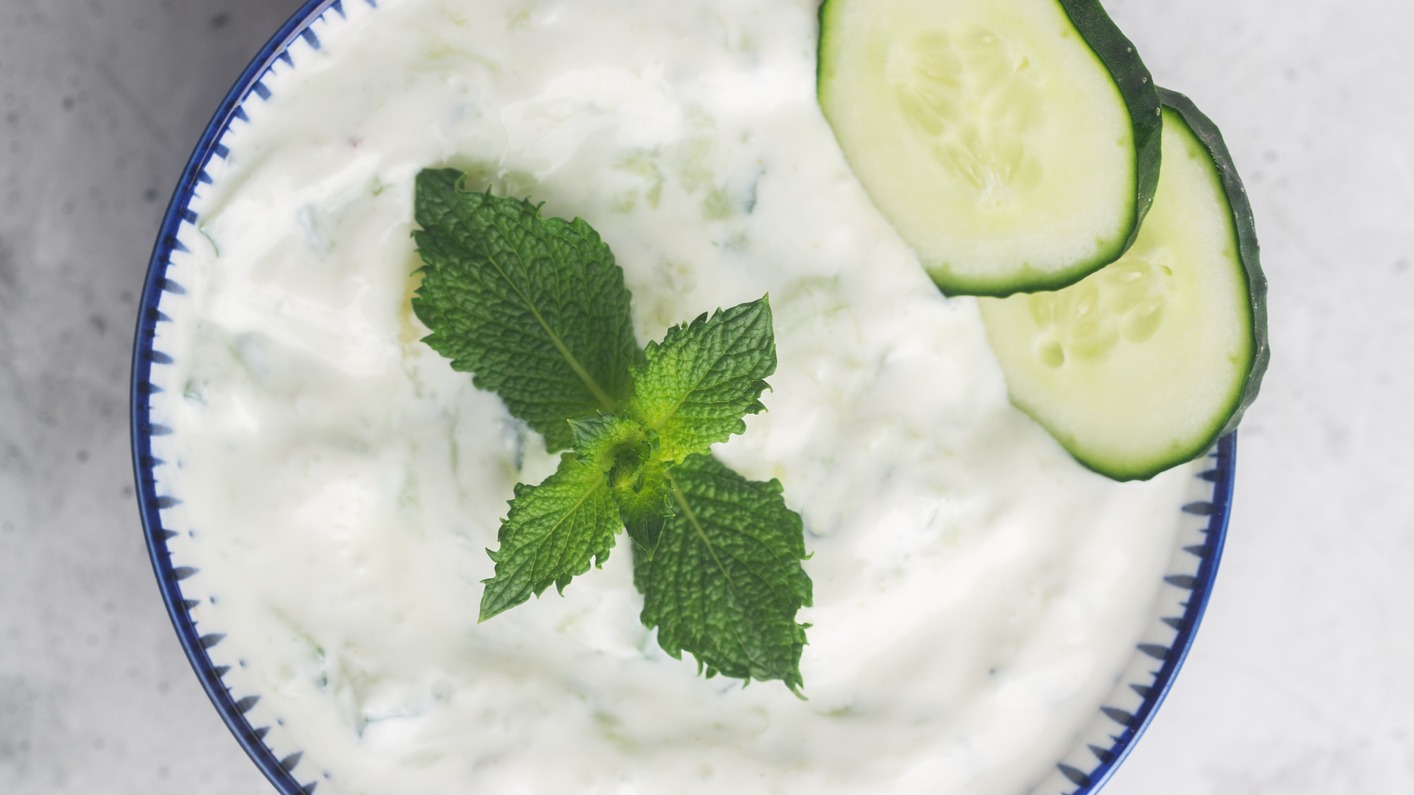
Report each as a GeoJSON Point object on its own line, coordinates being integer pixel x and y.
{"type": "Point", "coordinates": [1143, 365]}
{"type": "Point", "coordinates": [1012, 143]}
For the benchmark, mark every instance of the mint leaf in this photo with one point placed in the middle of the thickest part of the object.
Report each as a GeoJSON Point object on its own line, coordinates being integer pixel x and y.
{"type": "Point", "coordinates": [645, 500]}
{"type": "Point", "coordinates": [725, 582]}
{"type": "Point", "coordinates": [694, 387]}
{"type": "Point", "coordinates": [535, 308]}
{"type": "Point", "coordinates": [606, 440]}
{"type": "Point", "coordinates": [628, 455]}
{"type": "Point", "coordinates": [552, 533]}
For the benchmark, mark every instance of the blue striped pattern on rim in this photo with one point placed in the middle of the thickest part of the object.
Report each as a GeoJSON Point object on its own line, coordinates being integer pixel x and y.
{"type": "Point", "coordinates": [233, 709]}
{"type": "Point", "coordinates": [1198, 585]}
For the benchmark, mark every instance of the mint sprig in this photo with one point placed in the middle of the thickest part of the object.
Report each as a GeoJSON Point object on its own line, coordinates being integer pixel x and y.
{"type": "Point", "coordinates": [535, 308]}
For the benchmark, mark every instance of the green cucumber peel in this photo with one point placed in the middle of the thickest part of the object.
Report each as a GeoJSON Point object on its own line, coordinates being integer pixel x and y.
{"type": "Point", "coordinates": [1244, 224]}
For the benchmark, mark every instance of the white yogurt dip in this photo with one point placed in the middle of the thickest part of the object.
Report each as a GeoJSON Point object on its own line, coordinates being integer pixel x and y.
{"type": "Point", "coordinates": [976, 591]}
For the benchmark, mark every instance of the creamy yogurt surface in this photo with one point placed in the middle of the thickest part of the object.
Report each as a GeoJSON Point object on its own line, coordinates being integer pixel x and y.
{"type": "Point", "coordinates": [976, 591]}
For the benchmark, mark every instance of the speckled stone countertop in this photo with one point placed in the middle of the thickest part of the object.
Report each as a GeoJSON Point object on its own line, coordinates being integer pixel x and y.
{"type": "Point", "coordinates": [1299, 681]}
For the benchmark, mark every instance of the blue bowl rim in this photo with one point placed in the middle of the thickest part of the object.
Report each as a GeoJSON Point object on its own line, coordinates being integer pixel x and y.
{"type": "Point", "coordinates": [232, 710]}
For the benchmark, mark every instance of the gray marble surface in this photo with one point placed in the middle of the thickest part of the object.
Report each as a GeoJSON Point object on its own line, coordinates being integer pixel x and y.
{"type": "Point", "coordinates": [1298, 683]}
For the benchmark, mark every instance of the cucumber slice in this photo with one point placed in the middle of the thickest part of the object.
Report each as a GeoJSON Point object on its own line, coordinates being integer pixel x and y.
{"type": "Point", "coordinates": [1014, 144]}
{"type": "Point", "coordinates": [1143, 365]}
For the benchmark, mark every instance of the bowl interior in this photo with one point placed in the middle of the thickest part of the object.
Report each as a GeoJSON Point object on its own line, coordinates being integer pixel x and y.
{"type": "Point", "coordinates": [1104, 743]}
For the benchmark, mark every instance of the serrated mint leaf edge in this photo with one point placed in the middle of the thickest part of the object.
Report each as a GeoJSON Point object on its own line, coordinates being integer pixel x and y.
{"type": "Point", "coordinates": [437, 194]}
{"type": "Point", "coordinates": [798, 583]}
{"type": "Point", "coordinates": [752, 314]}
{"type": "Point", "coordinates": [492, 604]}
